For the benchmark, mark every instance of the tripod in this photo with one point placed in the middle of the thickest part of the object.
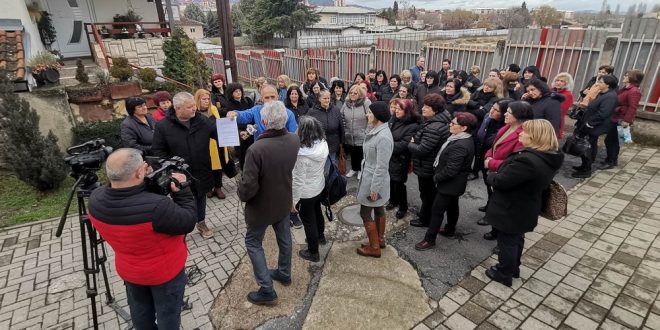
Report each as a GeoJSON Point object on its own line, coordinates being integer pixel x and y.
{"type": "Point", "coordinates": [94, 259]}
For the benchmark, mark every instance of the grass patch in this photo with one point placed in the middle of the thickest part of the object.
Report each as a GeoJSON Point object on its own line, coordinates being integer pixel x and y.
{"type": "Point", "coordinates": [20, 202]}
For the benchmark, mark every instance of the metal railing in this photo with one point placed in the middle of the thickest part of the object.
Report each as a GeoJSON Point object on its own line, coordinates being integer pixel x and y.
{"type": "Point", "coordinates": [96, 33]}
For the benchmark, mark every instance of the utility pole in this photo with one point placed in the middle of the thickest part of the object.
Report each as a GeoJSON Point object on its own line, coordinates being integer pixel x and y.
{"type": "Point", "coordinates": [227, 36]}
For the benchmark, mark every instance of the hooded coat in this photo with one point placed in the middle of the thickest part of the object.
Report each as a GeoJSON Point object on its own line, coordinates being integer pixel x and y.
{"type": "Point", "coordinates": [402, 132]}
{"type": "Point", "coordinates": [457, 102]}
{"type": "Point", "coordinates": [548, 107]}
{"type": "Point", "coordinates": [354, 121]}
{"type": "Point", "coordinates": [377, 149]}
{"type": "Point", "coordinates": [427, 142]}
{"type": "Point", "coordinates": [518, 187]}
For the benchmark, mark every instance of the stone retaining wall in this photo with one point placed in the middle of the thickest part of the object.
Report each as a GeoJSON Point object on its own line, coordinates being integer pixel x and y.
{"type": "Point", "coordinates": [147, 52]}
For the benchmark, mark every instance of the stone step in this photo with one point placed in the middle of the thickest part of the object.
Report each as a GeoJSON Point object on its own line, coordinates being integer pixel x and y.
{"type": "Point", "coordinates": [70, 71]}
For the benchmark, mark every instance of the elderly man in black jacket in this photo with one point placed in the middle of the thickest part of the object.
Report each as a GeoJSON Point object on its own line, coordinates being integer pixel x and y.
{"type": "Point", "coordinates": [186, 134]}
{"type": "Point", "coordinates": [266, 189]}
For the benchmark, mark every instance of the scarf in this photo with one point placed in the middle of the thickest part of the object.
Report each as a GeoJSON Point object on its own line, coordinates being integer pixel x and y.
{"type": "Point", "coordinates": [453, 137]}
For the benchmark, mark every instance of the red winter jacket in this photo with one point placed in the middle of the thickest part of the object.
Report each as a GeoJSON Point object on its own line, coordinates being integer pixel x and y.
{"type": "Point", "coordinates": [505, 147]}
{"type": "Point", "coordinates": [564, 108]}
{"type": "Point", "coordinates": [146, 231]}
{"type": "Point", "coordinates": [628, 101]}
{"type": "Point", "coordinates": [159, 114]}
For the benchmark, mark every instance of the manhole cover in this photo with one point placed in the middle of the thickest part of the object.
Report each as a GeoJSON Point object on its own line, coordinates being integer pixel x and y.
{"type": "Point", "coordinates": [350, 215]}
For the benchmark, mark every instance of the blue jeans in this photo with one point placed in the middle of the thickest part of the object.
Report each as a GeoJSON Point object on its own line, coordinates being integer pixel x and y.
{"type": "Point", "coordinates": [163, 303]}
{"type": "Point", "coordinates": [253, 242]}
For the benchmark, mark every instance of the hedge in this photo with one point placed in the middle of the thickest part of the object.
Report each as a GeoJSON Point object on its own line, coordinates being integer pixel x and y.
{"type": "Point", "coordinates": [109, 131]}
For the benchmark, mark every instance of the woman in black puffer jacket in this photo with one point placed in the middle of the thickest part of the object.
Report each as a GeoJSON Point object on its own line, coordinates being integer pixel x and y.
{"type": "Point", "coordinates": [403, 125]}
{"type": "Point", "coordinates": [545, 103]}
{"type": "Point", "coordinates": [424, 146]}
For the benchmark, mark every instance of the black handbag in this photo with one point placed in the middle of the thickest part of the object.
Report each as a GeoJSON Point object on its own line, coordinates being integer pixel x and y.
{"type": "Point", "coordinates": [575, 112]}
{"type": "Point", "coordinates": [576, 145]}
{"type": "Point", "coordinates": [228, 167]}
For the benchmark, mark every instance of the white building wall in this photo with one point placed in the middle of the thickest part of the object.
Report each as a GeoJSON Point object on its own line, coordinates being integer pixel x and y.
{"type": "Point", "coordinates": [16, 9]}
{"type": "Point", "coordinates": [103, 10]}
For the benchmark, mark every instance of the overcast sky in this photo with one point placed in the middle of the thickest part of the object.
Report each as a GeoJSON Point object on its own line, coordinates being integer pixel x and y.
{"type": "Point", "coordinates": [453, 4]}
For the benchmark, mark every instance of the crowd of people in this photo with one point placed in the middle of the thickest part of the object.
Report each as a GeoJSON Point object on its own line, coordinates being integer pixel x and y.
{"type": "Point", "coordinates": [446, 126]}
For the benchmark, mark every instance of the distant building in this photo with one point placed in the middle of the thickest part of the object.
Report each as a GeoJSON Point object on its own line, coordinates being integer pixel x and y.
{"type": "Point", "coordinates": [567, 14]}
{"type": "Point", "coordinates": [192, 28]}
{"type": "Point", "coordinates": [340, 3]}
{"type": "Point", "coordinates": [487, 11]}
{"type": "Point", "coordinates": [348, 16]}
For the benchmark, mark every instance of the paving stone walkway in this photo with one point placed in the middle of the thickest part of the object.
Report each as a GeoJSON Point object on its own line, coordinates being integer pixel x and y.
{"type": "Point", "coordinates": [598, 268]}
{"type": "Point", "coordinates": [33, 260]}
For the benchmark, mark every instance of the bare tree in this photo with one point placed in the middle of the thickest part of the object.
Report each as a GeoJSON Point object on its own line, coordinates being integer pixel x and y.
{"type": "Point", "coordinates": [546, 15]}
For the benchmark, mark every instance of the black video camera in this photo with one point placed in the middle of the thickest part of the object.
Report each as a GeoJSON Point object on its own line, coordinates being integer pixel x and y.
{"type": "Point", "coordinates": [87, 158]}
{"type": "Point", "coordinates": [159, 180]}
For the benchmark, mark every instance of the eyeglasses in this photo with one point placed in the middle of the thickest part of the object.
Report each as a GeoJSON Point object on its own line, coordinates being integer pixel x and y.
{"type": "Point", "coordinates": [451, 123]}
{"type": "Point", "coordinates": [353, 93]}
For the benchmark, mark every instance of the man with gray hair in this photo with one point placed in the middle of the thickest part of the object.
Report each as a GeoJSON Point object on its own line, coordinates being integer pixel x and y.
{"type": "Point", "coordinates": [187, 134]}
{"type": "Point", "coordinates": [266, 189]}
{"type": "Point", "coordinates": [147, 233]}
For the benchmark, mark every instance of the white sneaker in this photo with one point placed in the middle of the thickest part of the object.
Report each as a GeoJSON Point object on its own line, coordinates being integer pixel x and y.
{"type": "Point", "coordinates": [359, 174]}
{"type": "Point", "coordinates": [351, 173]}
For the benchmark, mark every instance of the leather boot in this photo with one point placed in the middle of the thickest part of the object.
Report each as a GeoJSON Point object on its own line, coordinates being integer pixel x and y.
{"type": "Point", "coordinates": [380, 225]}
{"type": "Point", "coordinates": [373, 250]}
{"type": "Point", "coordinates": [218, 192]}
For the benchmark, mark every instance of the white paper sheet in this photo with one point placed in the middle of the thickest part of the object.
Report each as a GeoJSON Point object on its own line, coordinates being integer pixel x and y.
{"type": "Point", "coordinates": [227, 132]}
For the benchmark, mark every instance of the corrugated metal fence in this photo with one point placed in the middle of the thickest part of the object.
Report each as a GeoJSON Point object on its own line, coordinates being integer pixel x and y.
{"type": "Point", "coordinates": [393, 56]}
{"type": "Point", "coordinates": [578, 52]}
{"type": "Point", "coordinates": [462, 56]}
{"type": "Point", "coordinates": [638, 48]}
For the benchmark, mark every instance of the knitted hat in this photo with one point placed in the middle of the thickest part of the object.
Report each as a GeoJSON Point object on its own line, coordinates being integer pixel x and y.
{"type": "Point", "coordinates": [217, 76]}
{"type": "Point", "coordinates": [381, 111]}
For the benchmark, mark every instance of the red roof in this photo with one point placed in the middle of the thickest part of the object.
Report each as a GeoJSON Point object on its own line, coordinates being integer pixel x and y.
{"type": "Point", "coordinates": [12, 55]}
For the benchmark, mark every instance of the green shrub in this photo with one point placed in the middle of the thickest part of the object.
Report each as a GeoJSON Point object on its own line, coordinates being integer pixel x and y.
{"type": "Point", "coordinates": [120, 69]}
{"type": "Point", "coordinates": [34, 158]}
{"type": "Point", "coordinates": [147, 75]}
{"type": "Point", "coordinates": [81, 75]}
{"type": "Point", "coordinates": [108, 130]}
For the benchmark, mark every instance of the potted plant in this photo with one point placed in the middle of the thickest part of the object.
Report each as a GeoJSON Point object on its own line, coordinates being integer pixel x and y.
{"type": "Point", "coordinates": [45, 68]}
{"type": "Point", "coordinates": [123, 72]}
{"type": "Point", "coordinates": [129, 17]}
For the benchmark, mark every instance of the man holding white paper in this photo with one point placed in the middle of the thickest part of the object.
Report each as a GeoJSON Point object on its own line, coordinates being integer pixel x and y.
{"type": "Point", "coordinates": [253, 115]}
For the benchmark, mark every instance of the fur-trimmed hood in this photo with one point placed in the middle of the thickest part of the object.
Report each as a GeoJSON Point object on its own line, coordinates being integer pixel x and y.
{"type": "Point", "coordinates": [463, 97]}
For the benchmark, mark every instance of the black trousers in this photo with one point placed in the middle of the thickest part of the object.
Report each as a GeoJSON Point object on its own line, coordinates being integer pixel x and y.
{"type": "Point", "coordinates": [442, 203]}
{"type": "Point", "coordinates": [313, 221]}
{"type": "Point", "coordinates": [511, 248]}
{"type": "Point", "coordinates": [612, 145]}
{"type": "Point", "coordinates": [399, 195]}
{"type": "Point", "coordinates": [588, 160]}
{"type": "Point", "coordinates": [217, 178]}
{"type": "Point", "coordinates": [356, 155]}
{"type": "Point", "coordinates": [426, 194]}
{"type": "Point", "coordinates": [242, 150]}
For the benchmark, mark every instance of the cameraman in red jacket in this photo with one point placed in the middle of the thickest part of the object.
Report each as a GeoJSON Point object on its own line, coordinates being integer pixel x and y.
{"type": "Point", "coordinates": [147, 232]}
